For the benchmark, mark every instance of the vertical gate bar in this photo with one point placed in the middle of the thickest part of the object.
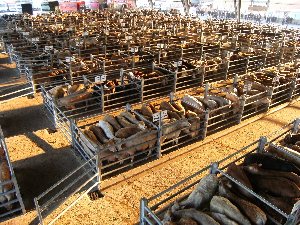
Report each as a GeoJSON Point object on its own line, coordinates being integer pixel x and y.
{"type": "Point", "coordinates": [18, 194]}
{"type": "Point", "coordinates": [296, 126]}
{"type": "Point", "coordinates": [261, 144]}
{"type": "Point", "coordinates": [143, 203]}
{"type": "Point", "coordinates": [142, 90]}
{"type": "Point", "coordinates": [159, 135]}
{"type": "Point", "coordinates": [227, 68]}
{"type": "Point", "coordinates": [206, 118]}
{"type": "Point", "coordinates": [175, 80]}
{"type": "Point", "coordinates": [293, 87]}
{"type": "Point", "coordinates": [55, 114]}
{"type": "Point", "coordinates": [38, 211]}
{"type": "Point", "coordinates": [242, 107]}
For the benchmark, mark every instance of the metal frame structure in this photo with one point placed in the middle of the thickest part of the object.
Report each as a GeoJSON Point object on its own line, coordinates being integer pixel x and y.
{"type": "Point", "coordinates": [17, 205]}
{"type": "Point", "coordinates": [86, 150]}
{"type": "Point", "coordinates": [85, 177]}
{"type": "Point", "coordinates": [152, 214]}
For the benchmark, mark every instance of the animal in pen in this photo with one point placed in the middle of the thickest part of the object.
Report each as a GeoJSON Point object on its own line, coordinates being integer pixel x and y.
{"type": "Point", "coordinates": [220, 200]}
{"type": "Point", "coordinates": [287, 148]}
{"type": "Point", "coordinates": [187, 75]}
{"type": "Point", "coordinates": [71, 97]}
{"type": "Point", "coordinates": [117, 138]}
{"type": "Point", "coordinates": [118, 93]}
{"type": "Point", "coordinates": [157, 82]}
{"type": "Point", "coordinates": [255, 94]}
{"type": "Point", "coordinates": [279, 80]}
{"type": "Point", "coordinates": [48, 74]}
{"type": "Point", "coordinates": [114, 61]}
{"type": "Point", "coordinates": [86, 95]}
{"type": "Point", "coordinates": [178, 120]}
{"type": "Point", "coordinates": [215, 102]}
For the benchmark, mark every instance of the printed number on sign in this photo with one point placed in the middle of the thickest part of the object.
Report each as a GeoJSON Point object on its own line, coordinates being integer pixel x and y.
{"type": "Point", "coordinates": [160, 115]}
{"type": "Point", "coordinates": [134, 49]}
{"type": "Point", "coordinates": [100, 78]}
{"type": "Point", "coordinates": [35, 39]}
{"type": "Point", "coordinates": [247, 87]}
{"type": "Point", "coordinates": [70, 59]}
{"type": "Point", "coordinates": [48, 48]}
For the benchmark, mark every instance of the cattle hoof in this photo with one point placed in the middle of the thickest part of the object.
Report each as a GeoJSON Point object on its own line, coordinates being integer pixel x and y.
{"type": "Point", "coordinates": [95, 195]}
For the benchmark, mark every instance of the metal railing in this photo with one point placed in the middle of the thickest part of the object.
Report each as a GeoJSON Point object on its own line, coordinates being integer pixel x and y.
{"type": "Point", "coordinates": [14, 205]}
{"type": "Point", "coordinates": [152, 213]}
{"type": "Point", "coordinates": [55, 201]}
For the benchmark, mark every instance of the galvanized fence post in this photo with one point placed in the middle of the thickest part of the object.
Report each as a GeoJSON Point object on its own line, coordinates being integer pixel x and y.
{"type": "Point", "coordinates": [261, 144]}
{"type": "Point", "coordinates": [142, 89]}
{"type": "Point", "coordinates": [202, 74]}
{"type": "Point", "coordinates": [122, 76]}
{"type": "Point", "coordinates": [33, 85]}
{"type": "Point", "coordinates": [19, 197]}
{"type": "Point", "coordinates": [159, 56]}
{"type": "Point", "coordinates": [55, 115]}
{"type": "Point", "coordinates": [39, 213]}
{"type": "Point", "coordinates": [293, 88]}
{"type": "Point", "coordinates": [159, 135]}
{"type": "Point", "coordinates": [143, 204]}
{"type": "Point", "coordinates": [227, 68]}
{"type": "Point", "coordinates": [73, 131]}
{"type": "Point", "coordinates": [98, 169]}
{"type": "Point", "coordinates": [269, 95]}
{"type": "Point", "coordinates": [205, 124]}
{"type": "Point", "coordinates": [214, 167]}
{"type": "Point", "coordinates": [175, 80]}
{"type": "Point", "coordinates": [241, 110]}
{"type": "Point", "coordinates": [296, 126]}
{"type": "Point", "coordinates": [70, 71]}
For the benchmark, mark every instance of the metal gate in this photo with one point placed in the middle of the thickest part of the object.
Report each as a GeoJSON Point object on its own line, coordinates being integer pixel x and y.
{"type": "Point", "coordinates": [55, 201]}
{"type": "Point", "coordinates": [14, 205]}
{"type": "Point", "coordinates": [15, 91]}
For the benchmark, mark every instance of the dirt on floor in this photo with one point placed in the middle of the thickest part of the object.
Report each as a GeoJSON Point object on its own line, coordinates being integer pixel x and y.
{"type": "Point", "coordinates": [41, 158]}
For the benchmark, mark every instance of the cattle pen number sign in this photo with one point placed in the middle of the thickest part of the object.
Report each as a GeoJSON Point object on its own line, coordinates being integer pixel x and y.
{"type": "Point", "coordinates": [101, 78]}
{"type": "Point", "coordinates": [160, 115]}
{"type": "Point", "coordinates": [48, 47]}
{"type": "Point", "coordinates": [247, 87]}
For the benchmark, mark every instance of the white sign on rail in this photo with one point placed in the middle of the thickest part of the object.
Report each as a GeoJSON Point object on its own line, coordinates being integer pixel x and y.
{"type": "Point", "coordinates": [160, 115]}
{"type": "Point", "coordinates": [49, 47]}
{"type": "Point", "coordinates": [100, 78]}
